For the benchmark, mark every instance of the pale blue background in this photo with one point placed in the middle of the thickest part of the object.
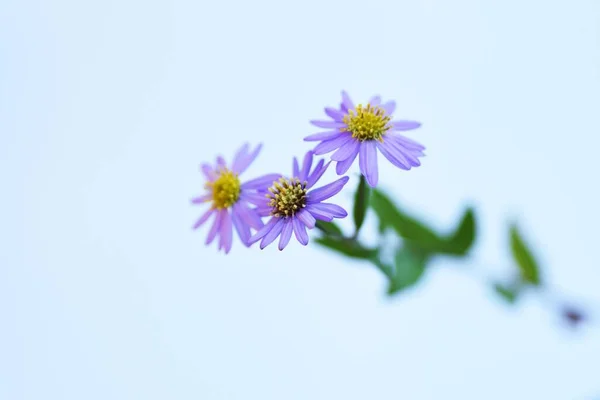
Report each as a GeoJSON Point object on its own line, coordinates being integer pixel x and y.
{"type": "Point", "coordinates": [108, 107]}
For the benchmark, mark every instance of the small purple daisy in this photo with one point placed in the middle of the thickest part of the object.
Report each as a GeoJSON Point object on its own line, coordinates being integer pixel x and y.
{"type": "Point", "coordinates": [361, 131]}
{"type": "Point", "coordinates": [294, 208]}
{"type": "Point", "coordinates": [230, 198]}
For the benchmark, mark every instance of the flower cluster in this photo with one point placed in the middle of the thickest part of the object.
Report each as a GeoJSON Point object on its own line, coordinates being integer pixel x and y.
{"type": "Point", "coordinates": [289, 202]}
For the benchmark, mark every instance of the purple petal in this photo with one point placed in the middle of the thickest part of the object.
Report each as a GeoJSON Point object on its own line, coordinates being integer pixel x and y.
{"type": "Point", "coordinates": [300, 231]}
{"type": "Point", "coordinates": [263, 211]}
{"type": "Point", "coordinates": [317, 137]}
{"type": "Point", "coordinates": [318, 213]}
{"type": "Point", "coordinates": [241, 164]}
{"type": "Point", "coordinates": [256, 198]}
{"type": "Point", "coordinates": [342, 166]}
{"type": "Point", "coordinates": [327, 191]}
{"type": "Point", "coordinates": [317, 173]}
{"type": "Point", "coordinates": [273, 233]}
{"type": "Point", "coordinates": [347, 150]}
{"type": "Point", "coordinates": [336, 115]}
{"type": "Point", "coordinates": [242, 229]}
{"type": "Point", "coordinates": [202, 199]}
{"type": "Point", "coordinates": [409, 154]}
{"type": "Point", "coordinates": [331, 209]}
{"type": "Point", "coordinates": [248, 215]}
{"type": "Point", "coordinates": [221, 162]}
{"type": "Point", "coordinates": [346, 101]}
{"type": "Point", "coordinates": [333, 144]}
{"type": "Point", "coordinates": [407, 143]}
{"type": "Point", "coordinates": [306, 164]}
{"type": "Point", "coordinates": [405, 125]}
{"type": "Point", "coordinates": [393, 155]}
{"type": "Point", "coordinates": [368, 162]}
{"type": "Point", "coordinates": [209, 172]}
{"type": "Point", "coordinates": [214, 228]}
{"type": "Point", "coordinates": [389, 107]}
{"type": "Point", "coordinates": [295, 168]}
{"type": "Point", "coordinates": [261, 183]}
{"type": "Point", "coordinates": [203, 218]}
{"type": "Point", "coordinates": [328, 124]}
{"type": "Point", "coordinates": [240, 155]}
{"type": "Point", "coordinates": [286, 233]}
{"type": "Point", "coordinates": [226, 233]}
{"type": "Point", "coordinates": [375, 100]}
{"type": "Point", "coordinates": [307, 219]}
{"type": "Point", "coordinates": [263, 231]}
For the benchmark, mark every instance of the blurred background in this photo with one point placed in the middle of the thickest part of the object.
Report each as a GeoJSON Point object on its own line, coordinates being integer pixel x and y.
{"type": "Point", "coordinates": [108, 107]}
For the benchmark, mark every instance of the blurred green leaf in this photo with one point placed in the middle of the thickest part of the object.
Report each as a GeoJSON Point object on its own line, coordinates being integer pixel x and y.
{"type": "Point", "coordinates": [361, 203]}
{"type": "Point", "coordinates": [348, 247]}
{"type": "Point", "coordinates": [407, 227]}
{"type": "Point", "coordinates": [410, 265]}
{"type": "Point", "coordinates": [508, 293]}
{"type": "Point", "coordinates": [528, 267]}
{"type": "Point", "coordinates": [329, 228]}
{"type": "Point", "coordinates": [461, 240]}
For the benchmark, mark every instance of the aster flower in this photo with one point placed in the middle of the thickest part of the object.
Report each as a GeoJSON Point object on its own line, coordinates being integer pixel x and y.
{"type": "Point", "coordinates": [362, 130]}
{"type": "Point", "coordinates": [293, 206]}
{"type": "Point", "coordinates": [230, 199]}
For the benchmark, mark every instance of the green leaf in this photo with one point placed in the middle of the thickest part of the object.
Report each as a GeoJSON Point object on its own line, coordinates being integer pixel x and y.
{"type": "Point", "coordinates": [329, 228]}
{"type": "Point", "coordinates": [508, 293]}
{"type": "Point", "coordinates": [461, 240]}
{"type": "Point", "coordinates": [348, 247]}
{"type": "Point", "coordinates": [361, 203]}
{"type": "Point", "coordinates": [407, 227]}
{"type": "Point", "coordinates": [410, 265]}
{"type": "Point", "coordinates": [528, 267]}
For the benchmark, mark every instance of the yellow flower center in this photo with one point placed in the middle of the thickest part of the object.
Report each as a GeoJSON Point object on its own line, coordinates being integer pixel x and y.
{"type": "Point", "coordinates": [225, 189]}
{"type": "Point", "coordinates": [367, 123]}
{"type": "Point", "coordinates": [287, 197]}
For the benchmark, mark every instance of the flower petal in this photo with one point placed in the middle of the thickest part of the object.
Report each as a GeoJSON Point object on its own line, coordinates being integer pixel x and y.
{"type": "Point", "coordinates": [347, 150]}
{"type": "Point", "coordinates": [336, 115]}
{"type": "Point", "coordinates": [328, 124]}
{"type": "Point", "coordinates": [318, 213]}
{"type": "Point", "coordinates": [209, 172]}
{"type": "Point", "coordinates": [408, 143]}
{"type": "Point", "coordinates": [202, 199]}
{"type": "Point", "coordinates": [248, 215]}
{"type": "Point", "coordinates": [346, 101]}
{"type": "Point", "coordinates": [368, 162]}
{"type": "Point", "coordinates": [242, 229]}
{"type": "Point", "coordinates": [342, 166]}
{"type": "Point", "coordinates": [214, 228]}
{"type": "Point", "coordinates": [307, 219]}
{"type": "Point", "coordinates": [263, 231]}
{"type": "Point", "coordinates": [286, 233]}
{"type": "Point", "coordinates": [389, 107]}
{"type": "Point", "coordinates": [333, 144]}
{"type": "Point", "coordinates": [375, 100]}
{"type": "Point", "coordinates": [403, 125]}
{"type": "Point", "coordinates": [226, 231]}
{"type": "Point", "coordinates": [273, 233]}
{"type": "Point", "coordinates": [203, 218]}
{"type": "Point", "coordinates": [409, 154]}
{"type": "Point", "coordinates": [393, 155]}
{"type": "Point", "coordinates": [306, 164]}
{"type": "Point", "coordinates": [300, 231]}
{"type": "Point", "coordinates": [256, 198]}
{"type": "Point", "coordinates": [332, 209]}
{"type": "Point", "coordinates": [240, 165]}
{"type": "Point", "coordinates": [317, 137]}
{"type": "Point", "coordinates": [327, 191]}
{"type": "Point", "coordinates": [221, 162]}
{"type": "Point", "coordinates": [261, 183]}
{"type": "Point", "coordinates": [317, 173]}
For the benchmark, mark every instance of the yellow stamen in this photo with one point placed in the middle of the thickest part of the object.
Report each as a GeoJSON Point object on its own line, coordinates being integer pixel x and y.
{"type": "Point", "coordinates": [367, 123]}
{"type": "Point", "coordinates": [287, 197]}
{"type": "Point", "coordinates": [225, 189]}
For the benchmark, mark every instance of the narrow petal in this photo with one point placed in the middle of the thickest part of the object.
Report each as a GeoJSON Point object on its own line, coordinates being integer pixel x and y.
{"type": "Point", "coordinates": [209, 172]}
{"type": "Point", "coordinates": [347, 150]}
{"type": "Point", "coordinates": [332, 209]}
{"type": "Point", "coordinates": [263, 211]}
{"type": "Point", "coordinates": [203, 218]}
{"type": "Point", "coordinates": [328, 124]}
{"type": "Point", "coordinates": [375, 100]}
{"type": "Point", "coordinates": [202, 199]}
{"type": "Point", "coordinates": [343, 166]}
{"type": "Point", "coordinates": [317, 137]}
{"type": "Point", "coordinates": [318, 213]}
{"type": "Point", "coordinates": [247, 215]}
{"type": "Point", "coordinates": [368, 162]}
{"type": "Point", "coordinates": [242, 229]}
{"type": "Point", "coordinates": [408, 143]}
{"type": "Point", "coordinates": [327, 191]}
{"type": "Point", "coordinates": [226, 231]}
{"type": "Point", "coordinates": [393, 155]}
{"type": "Point", "coordinates": [221, 162]}
{"type": "Point", "coordinates": [409, 154]}
{"type": "Point", "coordinates": [389, 107]}
{"type": "Point", "coordinates": [307, 219]}
{"type": "Point", "coordinates": [263, 231]}
{"type": "Point", "coordinates": [333, 144]}
{"type": "Point", "coordinates": [336, 115]}
{"type": "Point", "coordinates": [214, 228]}
{"type": "Point", "coordinates": [317, 173]}
{"type": "Point", "coordinates": [286, 233]}
{"type": "Point", "coordinates": [300, 231]}
{"type": "Point", "coordinates": [346, 101]}
{"type": "Point", "coordinates": [405, 125]}
{"type": "Point", "coordinates": [240, 155]}
{"type": "Point", "coordinates": [256, 198]}
{"type": "Point", "coordinates": [261, 183]}
{"type": "Point", "coordinates": [306, 164]}
{"type": "Point", "coordinates": [245, 162]}
{"type": "Point", "coordinates": [273, 233]}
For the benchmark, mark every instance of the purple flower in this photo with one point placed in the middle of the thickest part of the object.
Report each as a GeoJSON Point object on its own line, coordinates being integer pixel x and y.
{"type": "Point", "coordinates": [231, 199]}
{"type": "Point", "coordinates": [362, 130]}
{"type": "Point", "coordinates": [294, 207]}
